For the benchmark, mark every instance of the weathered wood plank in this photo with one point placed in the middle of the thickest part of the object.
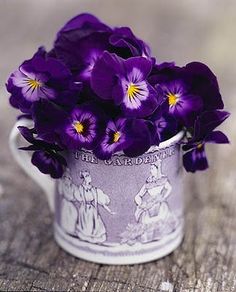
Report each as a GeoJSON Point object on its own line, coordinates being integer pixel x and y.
{"type": "Point", "coordinates": [206, 261]}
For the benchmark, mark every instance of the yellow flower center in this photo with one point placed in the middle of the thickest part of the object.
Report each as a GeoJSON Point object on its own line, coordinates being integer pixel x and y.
{"type": "Point", "coordinates": [172, 99]}
{"type": "Point", "coordinates": [199, 146]}
{"type": "Point", "coordinates": [132, 90]}
{"type": "Point", "coordinates": [34, 84]}
{"type": "Point", "coordinates": [116, 137]}
{"type": "Point", "coordinates": [79, 127]}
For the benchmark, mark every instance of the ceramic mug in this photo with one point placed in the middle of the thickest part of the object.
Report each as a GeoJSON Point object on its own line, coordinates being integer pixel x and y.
{"type": "Point", "coordinates": [120, 211]}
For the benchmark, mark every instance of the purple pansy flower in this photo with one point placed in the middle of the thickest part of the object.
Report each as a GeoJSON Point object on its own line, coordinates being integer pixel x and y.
{"type": "Point", "coordinates": [39, 78]}
{"type": "Point", "coordinates": [80, 42]}
{"type": "Point", "coordinates": [84, 38]}
{"type": "Point", "coordinates": [126, 82]}
{"type": "Point", "coordinates": [133, 136]}
{"type": "Point", "coordinates": [81, 128]}
{"type": "Point", "coordinates": [117, 137]}
{"type": "Point", "coordinates": [195, 156]}
{"type": "Point", "coordinates": [46, 156]}
{"type": "Point", "coordinates": [182, 104]}
{"type": "Point", "coordinates": [80, 55]}
{"type": "Point", "coordinates": [33, 85]}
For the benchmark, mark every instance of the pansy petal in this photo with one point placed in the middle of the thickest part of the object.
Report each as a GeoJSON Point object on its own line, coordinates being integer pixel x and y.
{"type": "Point", "coordinates": [103, 77]}
{"type": "Point", "coordinates": [194, 160]}
{"type": "Point", "coordinates": [138, 67]}
{"type": "Point", "coordinates": [30, 94]}
{"type": "Point", "coordinates": [165, 65]}
{"type": "Point", "coordinates": [217, 137]}
{"type": "Point", "coordinates": [123, 37]}
{"type": "Point", "coordinates": [186, 109]}
{"type": "Point", "coordinates": [27, 70]}
{"type": "Point", "coordinates": [141, 141]}
{"type": "Point", "coordinates": [48, 163]}
{"type": "Point", "coordinates": [207, 122]}
{"type": "Point", "coordinates": [19, 102]}
{"type": "Point", "coordinates": [141, 105]}
{"type": "Point", "coordinates": [166, 127]}
{"type": "Point", "coordinates": [51, 66]}
{"type": "Point", "coordinates": [204, 83]}
{"type": "Point", "coordinates": [19, 79]}
{"type": "Point", "coordinates": [27, 134]}
{"type": "Point", "coordinates": [47, 125]}
{"type": "Point", "coordinates": [84, 20]}
{"type": "Point", "coordinates": [46, 92]}
{"type": "Point", "coordinates": [80, 37]}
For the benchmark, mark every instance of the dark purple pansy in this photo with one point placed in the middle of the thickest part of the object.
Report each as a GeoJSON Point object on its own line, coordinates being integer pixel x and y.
{"type": "Point", "coordinates": [49, 163]}
{"type": "Point", "coordinates": [195, 156]}
{"type": "Point", "coordinates": [125, 81]}
{"type": "Point", "coordinates": [40, 78]}
{"type": "Point", "coordinates": [48, 119]}
{"type": "Point", "coordinates": [46, 156]}
{"type": "Point", "coordinates": [116, 138]}
{"type": "Point", "coordinates": [80, 55]}
{"type": "Point", "coordinates": [80, 42]}
{"type": "Point", "coordinates": [82, 128]}
{"type": "Point", "coordinates": [183, 103]}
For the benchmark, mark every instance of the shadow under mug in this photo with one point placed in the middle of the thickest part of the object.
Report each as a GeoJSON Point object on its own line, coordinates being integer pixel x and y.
{"type": "Point", "coordinates": [120, 211]}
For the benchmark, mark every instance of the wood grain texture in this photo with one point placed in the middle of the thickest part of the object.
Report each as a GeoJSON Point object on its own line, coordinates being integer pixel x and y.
{"type": "Point", "coordinates": [30, 260]}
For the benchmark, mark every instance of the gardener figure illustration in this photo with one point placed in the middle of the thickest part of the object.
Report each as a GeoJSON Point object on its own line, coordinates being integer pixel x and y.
{"type": "Point", "coordinates": [153, 210]}
{"type": "Point", "coordinates": [69, 213]}
{"type": "Point", "coordinates": [90, 226]}
{"type": "Point", "coordinates": [153, 215]}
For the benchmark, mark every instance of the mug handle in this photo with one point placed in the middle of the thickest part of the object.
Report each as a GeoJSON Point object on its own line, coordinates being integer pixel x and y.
{"type": "Point", "coordinates": [23, 158]}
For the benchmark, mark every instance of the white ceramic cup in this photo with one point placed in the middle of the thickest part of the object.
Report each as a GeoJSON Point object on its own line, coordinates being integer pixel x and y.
{"type": "Point", "coordinates": [121, 211]}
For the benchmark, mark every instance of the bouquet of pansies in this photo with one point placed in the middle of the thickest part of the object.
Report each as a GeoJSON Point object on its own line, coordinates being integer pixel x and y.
{"type": "Point", "coordinates": [99, 88]}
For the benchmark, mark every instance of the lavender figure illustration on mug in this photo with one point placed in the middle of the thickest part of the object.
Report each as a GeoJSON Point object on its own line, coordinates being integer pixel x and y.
{"type": "Point", "coordinates": [153, 215]}
{"type": "Point", "coordinates": [79, 208]}
{"type": "Point", "coordinates": [69, 213]}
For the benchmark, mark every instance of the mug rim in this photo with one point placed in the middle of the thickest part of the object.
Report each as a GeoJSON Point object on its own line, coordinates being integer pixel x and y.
{"type": "Point", "coordinates": [173, 140]}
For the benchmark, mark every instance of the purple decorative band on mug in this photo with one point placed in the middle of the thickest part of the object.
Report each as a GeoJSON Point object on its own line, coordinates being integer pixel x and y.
{"type": "Point", "coordinates": [121, 211]}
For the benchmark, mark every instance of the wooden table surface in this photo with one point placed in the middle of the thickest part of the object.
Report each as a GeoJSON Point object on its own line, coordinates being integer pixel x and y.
{"type": "Point", "coordinates": [206, 260]}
